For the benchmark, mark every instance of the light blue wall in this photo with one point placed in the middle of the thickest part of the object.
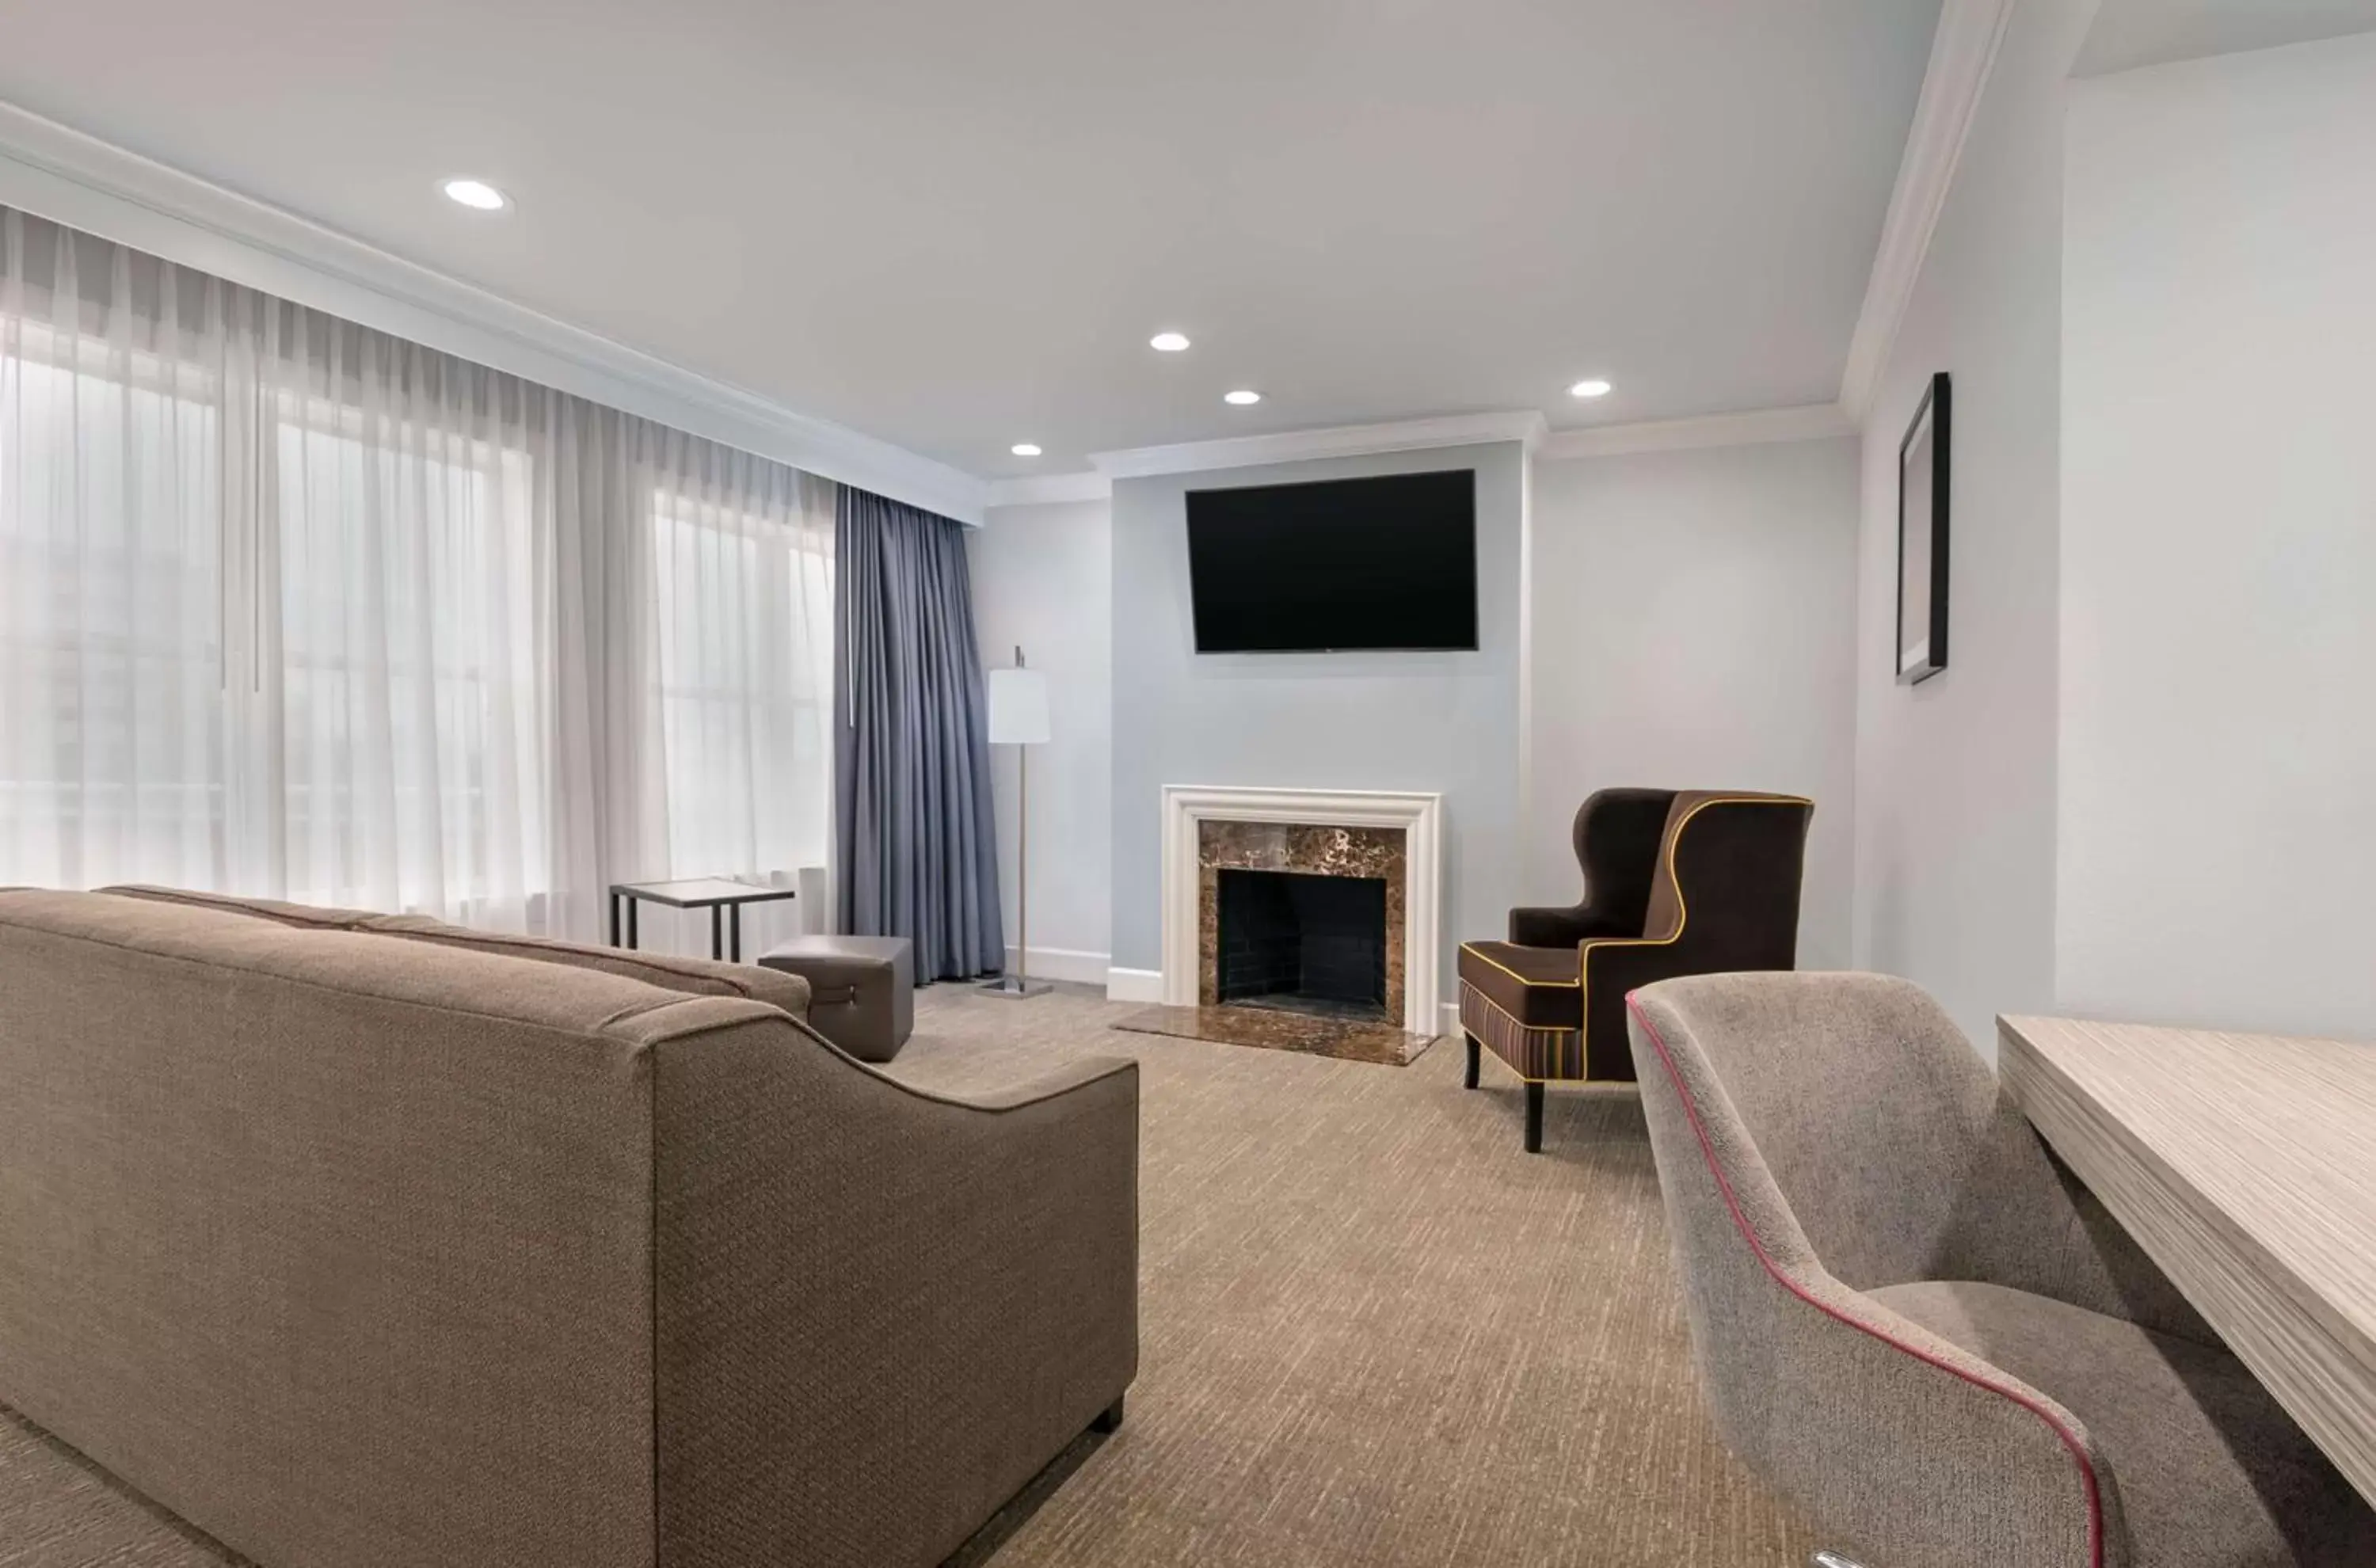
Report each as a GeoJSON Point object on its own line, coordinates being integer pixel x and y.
{"type": "Point", "coordinates": [1446, 722]}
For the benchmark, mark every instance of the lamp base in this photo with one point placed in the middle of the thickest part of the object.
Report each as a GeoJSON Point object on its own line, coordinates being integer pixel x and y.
{"type": "Point", "coordinates": [1016, 987]}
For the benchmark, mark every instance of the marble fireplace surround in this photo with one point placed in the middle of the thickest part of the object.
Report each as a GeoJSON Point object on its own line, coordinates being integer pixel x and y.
{"type": "Point", "coordinates": [1372, 817]}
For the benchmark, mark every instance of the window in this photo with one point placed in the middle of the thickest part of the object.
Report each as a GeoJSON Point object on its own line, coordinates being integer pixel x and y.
{"type": "Point", "coordinates": [409, 692]}
{"type": "Point", "coordinates": [111, 615]}
{"type": "Point", "coordinates": [745, 658]}
{"type": "Point", "coordinates": [295, 609]}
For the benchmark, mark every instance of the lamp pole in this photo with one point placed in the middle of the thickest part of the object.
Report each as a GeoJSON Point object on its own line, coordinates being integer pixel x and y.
{"type": "Point", "coordinates": [1018, 715]}
{"type": "Point", "coordinates": [1022, 859]}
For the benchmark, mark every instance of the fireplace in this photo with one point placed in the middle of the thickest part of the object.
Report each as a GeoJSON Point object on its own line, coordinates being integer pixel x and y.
{"type": "Point", "coordinates": [1302, 943]}
{"type": "Point", "coordinates": [1299, 919]}
{"type": "Point", "coordinates": [1272, 849]}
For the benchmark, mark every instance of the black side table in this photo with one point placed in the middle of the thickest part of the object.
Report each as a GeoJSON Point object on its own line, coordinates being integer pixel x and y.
{"type": "Point", "coordinates": [724, 900]}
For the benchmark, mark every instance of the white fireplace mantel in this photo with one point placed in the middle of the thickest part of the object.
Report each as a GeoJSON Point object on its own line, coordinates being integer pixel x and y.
{"type": "Point", "coordinates": [1420, 816]}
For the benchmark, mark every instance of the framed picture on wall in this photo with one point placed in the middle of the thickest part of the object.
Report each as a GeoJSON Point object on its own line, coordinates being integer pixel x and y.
{"type": "Point", "coordinates": [1920, 650]}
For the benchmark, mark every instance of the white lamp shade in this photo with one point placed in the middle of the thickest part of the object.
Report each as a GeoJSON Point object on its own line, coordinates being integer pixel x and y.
{"type": "Point", "coordinates": [1018, 707]}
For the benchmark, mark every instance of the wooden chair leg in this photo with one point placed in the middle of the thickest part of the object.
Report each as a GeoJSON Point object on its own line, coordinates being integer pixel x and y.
{"type": "Point", "coordinates": [1468, 1081]}
{"type": "Point", "coordinates": [1534, 1118]}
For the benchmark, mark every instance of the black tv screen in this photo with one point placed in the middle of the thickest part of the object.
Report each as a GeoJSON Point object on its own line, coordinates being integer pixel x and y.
{"type": "Point", "coordinates": [1388, 563]}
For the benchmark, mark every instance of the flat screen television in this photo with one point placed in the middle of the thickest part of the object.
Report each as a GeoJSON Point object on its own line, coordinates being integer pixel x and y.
{"type": "Point", "coordinates": [1387, 563]}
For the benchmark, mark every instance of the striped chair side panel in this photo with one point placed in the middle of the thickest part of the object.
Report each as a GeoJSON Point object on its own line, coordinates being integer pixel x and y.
{"type": "Point", "coordinates": [1530, 1053]}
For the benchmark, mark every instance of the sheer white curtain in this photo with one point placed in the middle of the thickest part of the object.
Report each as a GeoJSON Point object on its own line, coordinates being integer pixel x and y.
{"type": "Point", "coordinates": [113, 622]}
{"type": "Point", "coordinates": [743, 600]}
{"type": "Point", "coordinates": [402, 745]}
{"type": "Point", "coordinates": [298, 609]}
{"type": "Point", "coordinates": [730, 581]}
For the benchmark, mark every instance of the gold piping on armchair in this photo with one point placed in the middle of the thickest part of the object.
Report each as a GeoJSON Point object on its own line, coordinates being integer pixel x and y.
{"type": "Point", "coordinates": [1675, 850]}
{"type": "Point", "coordinates": [1672, 848]}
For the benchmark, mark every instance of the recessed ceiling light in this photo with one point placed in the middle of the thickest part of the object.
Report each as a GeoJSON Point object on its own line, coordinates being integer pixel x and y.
{"type": "Point", "coordinates": [1242, 397]}
{"type": "Point", "coordinates": [1169, 342]}
{"type": "Point", "coordinates": [478, 194]}
{"type": "Point", "coordinates": [1024, 449]}
{"type": "Point", "coordinates": [1593, 388]}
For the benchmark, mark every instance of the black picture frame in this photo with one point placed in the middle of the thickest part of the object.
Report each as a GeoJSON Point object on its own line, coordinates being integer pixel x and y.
{"type": "Point", "coordinates": [1920, 648]}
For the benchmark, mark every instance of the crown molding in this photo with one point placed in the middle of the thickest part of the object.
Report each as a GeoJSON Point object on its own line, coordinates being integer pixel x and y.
{"type": "Point", "coordinates": [1036, 489]}
{"type": "Point", "coordinates": [1963, 52]}
{"type": "Point", "coordinates": [1525, 426]}
{"type": "Point", "coordinates": [63, 175]}
{"type": "Point", "coordinates": [1815, 422]}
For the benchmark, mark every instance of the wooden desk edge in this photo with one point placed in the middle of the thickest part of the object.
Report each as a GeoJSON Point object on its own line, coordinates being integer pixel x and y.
{"type": "Point", "coordinates": [2319, 1400]}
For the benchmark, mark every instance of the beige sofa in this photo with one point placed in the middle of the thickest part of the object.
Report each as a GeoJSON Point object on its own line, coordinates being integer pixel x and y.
{"type": "Point", "coordinates": [364, 1240]}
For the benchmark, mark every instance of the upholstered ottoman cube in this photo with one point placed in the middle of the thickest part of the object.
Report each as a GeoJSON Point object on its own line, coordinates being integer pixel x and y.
{"type": "Point", "coordinates": [862, 989]}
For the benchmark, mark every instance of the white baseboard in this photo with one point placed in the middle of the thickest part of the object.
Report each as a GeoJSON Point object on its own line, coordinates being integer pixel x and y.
{"type": "Point", "coordinates": [1451, 1015]}
{"type": "Point", "coordinates": [1064, 964]}
{"type": "Point", "coordinates": [1134, 985]}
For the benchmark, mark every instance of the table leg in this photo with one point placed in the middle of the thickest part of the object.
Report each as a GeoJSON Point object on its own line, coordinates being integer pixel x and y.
{"type": "Point", "coordinates": [716, 931]}
{"type": "Point", "coordinates": [615, 920]}
{"type": "Point", "coordinates": [634, 903]}
{"type": "Point", "coordinates": [734, 933]}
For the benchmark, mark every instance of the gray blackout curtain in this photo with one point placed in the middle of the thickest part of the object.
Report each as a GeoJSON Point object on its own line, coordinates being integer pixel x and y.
{"type": "Point", "coordinates": [913, 825]}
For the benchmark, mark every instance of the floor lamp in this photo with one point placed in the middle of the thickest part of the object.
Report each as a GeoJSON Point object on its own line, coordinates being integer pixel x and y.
{"type": "Point", "coordinates": [1018, 718]}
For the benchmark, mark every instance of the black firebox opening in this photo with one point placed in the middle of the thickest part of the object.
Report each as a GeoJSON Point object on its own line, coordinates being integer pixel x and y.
{"type": "Point", "coordinates": [1310, 943]}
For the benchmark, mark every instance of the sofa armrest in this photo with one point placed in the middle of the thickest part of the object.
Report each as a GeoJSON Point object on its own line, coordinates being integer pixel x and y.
{"type": "Point", "coordinates": [879, 1310]}
{"type": "Point", "coordinates": [1048, 1085]}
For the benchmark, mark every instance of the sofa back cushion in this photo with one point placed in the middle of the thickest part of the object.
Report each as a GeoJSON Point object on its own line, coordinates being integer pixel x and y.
{"type": "Point", "coordinates": [338, 1247]}
{"type": "Point", "coordinates": [312, 917]}
{"type": "Point", "coordinates": [694, 976]}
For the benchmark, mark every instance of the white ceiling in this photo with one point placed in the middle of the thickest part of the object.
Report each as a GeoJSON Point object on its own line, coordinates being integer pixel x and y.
{"type": "Point", "coordinates": [2129, 33]}
{"type": "Point", "coordinates": [954, 223]}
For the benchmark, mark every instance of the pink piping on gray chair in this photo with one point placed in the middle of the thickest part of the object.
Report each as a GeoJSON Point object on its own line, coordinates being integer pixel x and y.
{"type": "Point", "coordinates": [1741, 1222]}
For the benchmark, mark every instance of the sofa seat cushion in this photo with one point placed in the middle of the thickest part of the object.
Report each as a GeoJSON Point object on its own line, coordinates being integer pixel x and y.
{"type": "Point", "coordinates": [1537, 987]}
{"type": "Point", "coordinates": [2208, 1468]}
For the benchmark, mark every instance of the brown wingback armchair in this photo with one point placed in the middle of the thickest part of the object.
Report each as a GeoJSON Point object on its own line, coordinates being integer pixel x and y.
{"type": "Point", "coordinates": [1676, 883]}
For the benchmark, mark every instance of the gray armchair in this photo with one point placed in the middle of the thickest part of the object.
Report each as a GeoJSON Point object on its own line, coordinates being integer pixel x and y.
{"type": "Point", "coordinates": [1911, 1321]}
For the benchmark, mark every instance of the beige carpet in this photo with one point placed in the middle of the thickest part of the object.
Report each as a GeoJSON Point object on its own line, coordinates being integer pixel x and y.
{"type": "Point", "coordinates": [1375, 1334]}
{"type": "Point", "coordinates": [57, 1510]}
